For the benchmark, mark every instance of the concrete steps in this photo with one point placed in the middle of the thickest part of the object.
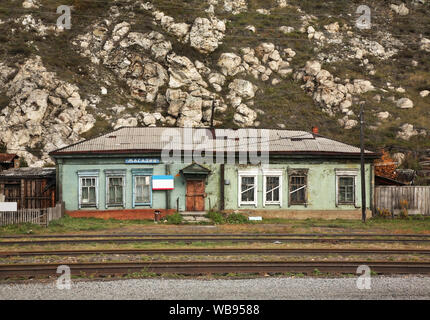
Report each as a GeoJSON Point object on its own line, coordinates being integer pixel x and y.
{"type": "Point", "coordinates": [194, 216]}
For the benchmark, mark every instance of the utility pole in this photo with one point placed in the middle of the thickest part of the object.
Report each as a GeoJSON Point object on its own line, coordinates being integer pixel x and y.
{"type": "Point", "coordinates": [363, 174]}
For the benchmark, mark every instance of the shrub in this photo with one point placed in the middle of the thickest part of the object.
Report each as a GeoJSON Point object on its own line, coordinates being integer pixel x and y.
{"type": "Point", "coordinates": [384, 213]}
{"type": "Point", "coordinates": [175, 218]}
{"type": "Point", "coordinates": [236, 218]}
{"type": "Point", "coordinates": [216, 217]}
{"type": "Point", "coordinates": [404, 209]}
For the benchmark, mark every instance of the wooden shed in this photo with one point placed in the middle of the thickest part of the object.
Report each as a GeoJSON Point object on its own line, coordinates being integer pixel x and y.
{"type": "Point", "coordinates": [31, 188]}
{"type": "Point", "coordinates": [8, 160]}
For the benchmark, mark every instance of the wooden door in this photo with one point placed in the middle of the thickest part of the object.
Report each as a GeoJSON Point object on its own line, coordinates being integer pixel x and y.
{"type": "Point", "coordinates": [195, 197]}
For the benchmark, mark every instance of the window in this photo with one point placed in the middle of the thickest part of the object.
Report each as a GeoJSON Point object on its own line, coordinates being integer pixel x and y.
{"type": "Point", "coordinates": [88, 188]}
{"type": "Point", "coordinates": [272, 186]}
{"type": "Point", "coordinates": [346, 186]}
{"type": "Point", "coordinates": [88, 191]}
{"type": "Point", "coordinates": [298, 180]}
{"type": "Point", "coordinates": [272, 189]}
{"type": "Point", "coordinates": [115, 187]}
{"type": "Point", "coordinates": [115, 190]}
{"type": "Point", "coordinates": [142, 189]}
{"type": "Point", "coordinates": [247, 188]}
{"type": "Point", "coordinates": [346, 190]}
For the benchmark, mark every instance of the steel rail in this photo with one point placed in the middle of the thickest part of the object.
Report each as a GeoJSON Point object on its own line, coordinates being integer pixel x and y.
{"type": "Point", "coordinates": [177, 235]}
{"type": "Point", "coordinates": [217, 251]}
{"type": "Point", "coordinates": [213, 239]}
{"type": "Point", "coordinates": [204, 267]}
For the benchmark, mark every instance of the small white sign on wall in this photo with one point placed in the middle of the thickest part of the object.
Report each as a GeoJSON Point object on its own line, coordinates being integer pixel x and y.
{"type": "Point", "coordinates": [255, 218]}
{"type": "Point", "coordinates": [8, 206]}
{"type": "Point", "coordinates": [163, 183]}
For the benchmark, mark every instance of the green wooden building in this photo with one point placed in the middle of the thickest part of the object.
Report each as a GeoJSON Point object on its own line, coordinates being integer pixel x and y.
{"type": "Point", "coordinates": [132, 172]}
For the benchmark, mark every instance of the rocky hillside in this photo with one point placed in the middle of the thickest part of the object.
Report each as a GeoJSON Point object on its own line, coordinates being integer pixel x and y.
{"type": "Point", "coordinates": [243, 63]}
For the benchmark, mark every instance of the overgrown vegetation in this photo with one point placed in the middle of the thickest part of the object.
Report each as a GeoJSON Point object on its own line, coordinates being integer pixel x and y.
{"type": "Point", "coordinates": [67, 224]}
{"type": "Point", "coordinates": [175, 218]}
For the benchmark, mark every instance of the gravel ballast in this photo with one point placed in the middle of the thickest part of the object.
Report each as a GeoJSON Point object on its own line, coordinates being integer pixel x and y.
{"type": "Point", "coordinates": [401, 287]}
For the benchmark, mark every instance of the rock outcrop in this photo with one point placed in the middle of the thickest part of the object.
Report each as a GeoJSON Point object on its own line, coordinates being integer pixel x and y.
{"type": "Point", "coordinates": [44, 113]}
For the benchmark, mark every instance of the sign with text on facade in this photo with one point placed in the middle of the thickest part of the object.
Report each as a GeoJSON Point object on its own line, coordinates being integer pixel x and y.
{"type": "Point", "coordinates": [162, 183]}
{"type": "Point", "coordinates": [8, 206]}
{"type": "Point", "coordinates": [142, 161]}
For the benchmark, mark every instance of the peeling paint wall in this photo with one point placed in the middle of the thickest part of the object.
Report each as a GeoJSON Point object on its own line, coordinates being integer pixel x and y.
{"type": "Point", "coordinates": [321, 184]}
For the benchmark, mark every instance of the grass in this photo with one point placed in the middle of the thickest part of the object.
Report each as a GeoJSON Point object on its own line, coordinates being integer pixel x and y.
{"type": "Point", "coordinates": [420, 224]}
{"type": "Point", "coordinates": [68, 224]}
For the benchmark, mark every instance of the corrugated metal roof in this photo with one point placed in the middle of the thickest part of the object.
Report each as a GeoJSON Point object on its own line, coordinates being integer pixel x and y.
{"type": "Point", "coordinates": [28, 172]}
{"type": "Point", "coordinates": [134, 139]}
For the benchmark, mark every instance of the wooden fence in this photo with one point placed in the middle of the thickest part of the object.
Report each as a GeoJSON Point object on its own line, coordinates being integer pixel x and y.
{"type": "Point", "coordinates": [390, 198]}
{"type": "Point", "coordinates": [36, 216]}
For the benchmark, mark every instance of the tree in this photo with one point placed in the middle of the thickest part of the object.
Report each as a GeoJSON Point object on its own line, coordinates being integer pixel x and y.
{"type": "Point", "coordinates": [385, 166]}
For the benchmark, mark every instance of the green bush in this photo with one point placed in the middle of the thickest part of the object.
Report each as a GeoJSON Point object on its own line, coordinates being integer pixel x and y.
{"type": "Point", "coordinates": [175, 218]}
{"type": "Point", "coordinates": [236, 218]}
{"type": "Point", "coordinates": [216, 217]}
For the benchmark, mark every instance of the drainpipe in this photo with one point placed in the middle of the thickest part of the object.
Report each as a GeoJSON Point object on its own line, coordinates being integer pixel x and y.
{"type": "Point", "coordinates": [222, 183]}
{"type": "Point", "coordinates": [372, 188]}
{"type": "Point", "coordinates": [167, 191]}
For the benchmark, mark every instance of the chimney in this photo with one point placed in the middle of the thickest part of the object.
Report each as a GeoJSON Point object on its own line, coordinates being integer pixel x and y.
{"type": "Point", "coordinates": [315, 130]}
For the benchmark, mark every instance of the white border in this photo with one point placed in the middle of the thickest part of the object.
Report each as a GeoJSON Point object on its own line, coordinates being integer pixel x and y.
{"type": "Point", "coordinates": [247, 173]}
{"type": "Point", "coordinates": [272, 173]}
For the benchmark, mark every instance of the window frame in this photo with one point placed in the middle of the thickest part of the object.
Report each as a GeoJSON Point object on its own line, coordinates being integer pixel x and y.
{"type": "Point", "coordinates": [350, 173]}
{"type": "Point", "coordinates": [140, 173]}
{"type": "Point", "coordinates": [302, 173]}
{"type": "Point", "coordinates": [115, 174]}
{"type": "Point", "coordinates": [272, 173]}
{"type": "Point", "coordinates": [90, 174]}
{"type": "Point", "coordinates": [244, 174]}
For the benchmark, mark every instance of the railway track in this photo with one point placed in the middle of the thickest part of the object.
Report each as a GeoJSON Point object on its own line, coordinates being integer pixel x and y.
{"type": "Point", "coordinates": [173, 239]}
{"type": "Point", "coordinates": [214, 235]}
{"type": "Point", "coordinates": [8, 271]}
{"type": "Point", "coordinates": [227, 251]}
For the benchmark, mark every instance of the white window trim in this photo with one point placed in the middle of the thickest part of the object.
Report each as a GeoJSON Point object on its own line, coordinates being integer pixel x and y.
{"type": "Point", "coordinates": [272, 173]}
{"type": "Point", "coordinates": [135, 203]}
{"type": "Point", "coordinates": [80, 190]}
{"type": "Point", "coordinates": [248, 173]}
{"type": "Point", "coordinates": [112, 175]}
{"type": "Point", "coordinates": [346, 173]}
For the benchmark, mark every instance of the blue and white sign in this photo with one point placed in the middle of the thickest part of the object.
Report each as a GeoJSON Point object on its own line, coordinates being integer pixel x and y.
{"type": "Point", "coordinates": [163, 183]}
{"type": "Point", "coordinates": [142, 161]}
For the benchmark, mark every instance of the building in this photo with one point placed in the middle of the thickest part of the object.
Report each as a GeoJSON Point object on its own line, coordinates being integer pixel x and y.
{"type": "Point", "coordinates": [8, 160]}
{"type": "Point", "coordinates": [128, 174]}
{"type": "Point", "coordinates": [29, 187]}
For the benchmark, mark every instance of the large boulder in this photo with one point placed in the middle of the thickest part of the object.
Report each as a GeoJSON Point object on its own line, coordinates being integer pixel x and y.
{"type": "Point", "coordinates": [205, 34]}
{"type": "Point", "coordinates": [242, 88]}
{"type": "Point", "coordinates": [312, 67]}
{"type": "Point", "coordinates": [401, 9]}
{"type": "Point", "coordinates": [405, 103]}
{"type": "Point", "coordinates": [407, 131]}
{"type": "Point", "coordinates": [183, 72]}
{"type": "Point", "coordinates": [230, 64]}
{"type": "Point", "coordinates": [244, 116]}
